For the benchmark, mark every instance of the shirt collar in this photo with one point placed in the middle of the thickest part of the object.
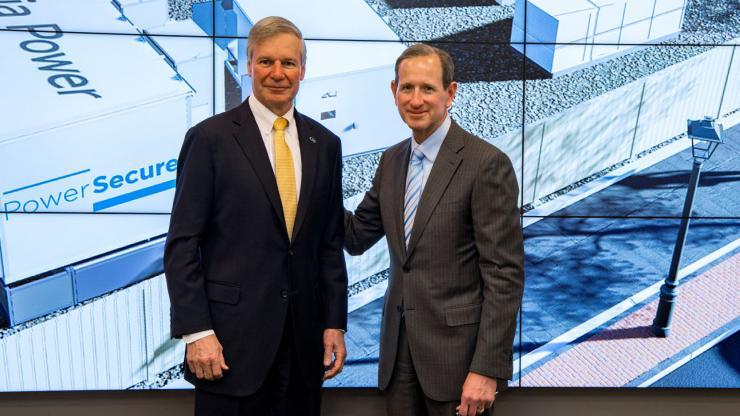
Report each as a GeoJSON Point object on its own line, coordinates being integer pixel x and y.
{"type": "Point", "coordinates": [430, 147]}
{"type": "Point", "coordinates": [266, 118]}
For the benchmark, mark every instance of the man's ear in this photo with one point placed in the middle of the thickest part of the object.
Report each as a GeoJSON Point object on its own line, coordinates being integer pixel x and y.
{"type": "Point", "coordinates": [393, 88]}
{"type": "Point", "coordinates": [451, 91]}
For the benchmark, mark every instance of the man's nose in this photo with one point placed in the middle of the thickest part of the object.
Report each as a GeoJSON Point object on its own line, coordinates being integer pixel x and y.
{"type": "Point", "coordinates": [277, 71]}
{"type": "Point", "coordinates": [416, 99]}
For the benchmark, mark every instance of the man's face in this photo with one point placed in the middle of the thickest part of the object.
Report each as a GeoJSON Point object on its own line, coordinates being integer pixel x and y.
{"type": "Point", "coordinates": [420, 96]}
{"type": "Point", "coordinates": [276, 71]}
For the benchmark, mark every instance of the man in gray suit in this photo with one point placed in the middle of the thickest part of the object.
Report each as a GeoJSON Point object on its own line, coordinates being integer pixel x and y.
{"type": "Point", "coordinates": [447, 203]}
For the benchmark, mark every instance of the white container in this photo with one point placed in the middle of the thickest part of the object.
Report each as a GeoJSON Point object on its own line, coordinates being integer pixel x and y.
{"type": "Point", "coordinates": [353, 100]}
{"type": "Point", "coordinates": [557, 32]}
{"type": "Point", "coordinates": [88, 16]}
{"type": "Point", "coordinates": [561, 21]}
{"type": "Point", "coordinates": [667, 19]}
{"type": "Point", "coordinates": [193, 58]}
{"type": "Point", "coordinates": [145, 14]}
{"type": "Point", "coordinates": [80, 124]}
{"type": "Point", "coordinates": [112, 343]}
{"type": "Point", "coordinates": [565, 35]}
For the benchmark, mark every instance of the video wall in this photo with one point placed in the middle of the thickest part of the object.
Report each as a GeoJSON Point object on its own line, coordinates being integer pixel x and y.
{"type": "Point", "coordinates": [589, 98]}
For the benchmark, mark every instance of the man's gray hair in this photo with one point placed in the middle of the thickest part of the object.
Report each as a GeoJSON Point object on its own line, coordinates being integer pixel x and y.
{"type": "Point", "coordinates": [273, 26]}
{"type": "Point", "coordinates": [421, 49]}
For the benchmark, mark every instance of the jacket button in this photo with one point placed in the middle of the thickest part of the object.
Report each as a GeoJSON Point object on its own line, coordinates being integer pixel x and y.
{"type": "Point", "coordinates": [406, 269]}
{"type": "Point", "coordinates": [284, 294]}
{"type": "Point", "coordinates": [290, 252]}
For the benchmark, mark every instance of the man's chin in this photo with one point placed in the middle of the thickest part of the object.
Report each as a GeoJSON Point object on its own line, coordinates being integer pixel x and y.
{"type": "Point", "coordinates": [279, 97]}
{"type": "Point", "coordinates": [278, 91]}
{"type": "Point", "coordinates": [278, 103]}
{"type": "Point", "coordinates": [416, 125]}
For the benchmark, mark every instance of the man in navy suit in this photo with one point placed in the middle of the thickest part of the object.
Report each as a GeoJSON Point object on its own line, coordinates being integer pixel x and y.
{"type": "Point", "coordinates": [253, 259]}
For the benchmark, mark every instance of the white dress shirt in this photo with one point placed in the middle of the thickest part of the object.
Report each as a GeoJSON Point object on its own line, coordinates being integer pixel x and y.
{"type": "Point", "coordinates": [430, 148]}
{"type": "Point", "coordinates": [265, 120]}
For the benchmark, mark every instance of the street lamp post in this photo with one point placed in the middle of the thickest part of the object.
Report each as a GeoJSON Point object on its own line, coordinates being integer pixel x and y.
{"type": "Point", "coordinates": [705, 136]}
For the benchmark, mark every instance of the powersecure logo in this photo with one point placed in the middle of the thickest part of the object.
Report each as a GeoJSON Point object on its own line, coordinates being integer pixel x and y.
{"type": "Point", "coordinates": [83, 191]}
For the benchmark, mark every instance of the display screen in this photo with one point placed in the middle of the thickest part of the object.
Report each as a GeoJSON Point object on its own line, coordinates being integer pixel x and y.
{"type": "Point", "coordinates": [588, 98]}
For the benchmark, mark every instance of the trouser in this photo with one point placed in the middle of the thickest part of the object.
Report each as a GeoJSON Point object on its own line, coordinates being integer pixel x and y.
{"type": "Point", "coordinates": [404, 396]}
{"type": "Point", "coordinates": [284, 391]}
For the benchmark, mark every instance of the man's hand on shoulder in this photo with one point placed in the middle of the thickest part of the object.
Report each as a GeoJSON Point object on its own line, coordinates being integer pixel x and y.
{"type": "Point", "coordinates": [205, 358]}
{"type": "Point", "coordinates": [478, 394]}
{"type": "Point", "coordinates": [333, 344]}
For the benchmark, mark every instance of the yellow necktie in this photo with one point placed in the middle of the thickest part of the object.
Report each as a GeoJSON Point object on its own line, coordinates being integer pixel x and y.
{"type": "Point", "coordinates": [285, 174]}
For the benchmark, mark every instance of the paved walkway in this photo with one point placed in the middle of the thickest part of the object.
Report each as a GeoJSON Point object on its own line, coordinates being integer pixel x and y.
{"type": "Point", "coordinates": [579, 265]}
{"type": "Point", "coordinates": [625, 350]}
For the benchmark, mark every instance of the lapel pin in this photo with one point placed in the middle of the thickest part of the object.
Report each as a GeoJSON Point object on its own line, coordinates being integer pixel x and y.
{"type": "Point", "coordinates": [311, 139]}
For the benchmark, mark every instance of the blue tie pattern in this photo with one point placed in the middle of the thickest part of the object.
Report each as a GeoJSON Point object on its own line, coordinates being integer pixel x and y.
{"type": "Point", "coordinates": [414, 180]}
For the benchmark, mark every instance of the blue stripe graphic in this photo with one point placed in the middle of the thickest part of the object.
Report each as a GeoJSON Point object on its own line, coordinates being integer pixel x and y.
{"type": "Point", "coordinates": [46, 181]}
{"type": "Point", "coordinates": [140, 193]}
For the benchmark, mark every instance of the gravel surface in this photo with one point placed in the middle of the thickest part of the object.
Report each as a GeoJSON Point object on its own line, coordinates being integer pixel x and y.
{"type": "Point", "coordinates": [182, 9]}
{"type": "Point", "coordinates": [489, 101]}
{"type": "Point", "coordinates": [547, 97]}
{"type": "Point", "coordinates": [714, 21]}
{"type": "Point", "coordinates": [162, 379]}
{"type": "Point", "coordinates": [358, 172]}
{"type": "Point", "coordinates": [706, 21]}
{"type": "Point", "coordinates": [711, 21]}
{"type": "Point", "coordinates": [476, 21]}
{"type": "Point", "coordinates": [368, 282]}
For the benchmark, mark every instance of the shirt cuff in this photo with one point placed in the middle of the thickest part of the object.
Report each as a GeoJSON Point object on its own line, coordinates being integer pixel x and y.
{"type": "Point", "coordinates": [189, 338]}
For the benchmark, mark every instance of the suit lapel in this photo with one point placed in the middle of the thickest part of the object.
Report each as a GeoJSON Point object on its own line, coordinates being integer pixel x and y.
{"type": "Point", "coordinates": [249, 138]}
{"type": "Point", "coordinates": [399, 192]}
{"type": "Point", "coordinates": [309, 163]}
{"type": "Point", "coordinates": [448, 159]}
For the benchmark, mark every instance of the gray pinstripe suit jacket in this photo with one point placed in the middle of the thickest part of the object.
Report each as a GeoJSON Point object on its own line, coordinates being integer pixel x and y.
{"type": "Point", "coordinates": [460, 281]}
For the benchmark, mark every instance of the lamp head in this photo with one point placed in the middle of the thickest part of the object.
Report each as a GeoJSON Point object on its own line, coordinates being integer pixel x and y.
{"type": "Point", "coordinates": [705, 135]}
{"type": "Point", "coordinates": [707, 129]}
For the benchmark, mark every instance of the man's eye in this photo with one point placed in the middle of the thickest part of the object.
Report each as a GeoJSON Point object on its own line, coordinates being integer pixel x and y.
{"type": "Point", "coordinates": [264, 62]}
{"type": "Point", "coordinates": [289, 64]}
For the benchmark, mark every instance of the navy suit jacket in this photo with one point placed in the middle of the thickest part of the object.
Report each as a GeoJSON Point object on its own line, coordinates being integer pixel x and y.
{"type": "Point", "coordinates": [229, 263]}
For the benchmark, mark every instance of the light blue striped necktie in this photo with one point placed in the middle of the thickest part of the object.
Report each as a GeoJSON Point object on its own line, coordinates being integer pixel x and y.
{"type": "Point", "coordinates": [413, 192]}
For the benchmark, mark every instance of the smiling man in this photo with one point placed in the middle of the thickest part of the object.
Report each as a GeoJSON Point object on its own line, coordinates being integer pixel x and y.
{"type": "Point", "coordinates": [447, 203]}
{"type": "Point", "coordinates": [253, 259]}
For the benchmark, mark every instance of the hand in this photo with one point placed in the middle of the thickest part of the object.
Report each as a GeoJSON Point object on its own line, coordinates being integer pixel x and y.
{"type": "Point", "coordinates": [478, 394]}
{"type": "Point", "coordinates": [205, 358]}
{"type": "Point", "coordinates": [333, 343]}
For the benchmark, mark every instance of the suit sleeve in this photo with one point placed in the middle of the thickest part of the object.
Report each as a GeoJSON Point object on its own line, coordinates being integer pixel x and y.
{"type": "Point", "coordinates": [498, 238]}
{"type": "Point", "coordinates": [333, 271]}
{"type": "Point", "coordinates": [364, 227]}
{"type": "Point", "coordinates": [189, 311]}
